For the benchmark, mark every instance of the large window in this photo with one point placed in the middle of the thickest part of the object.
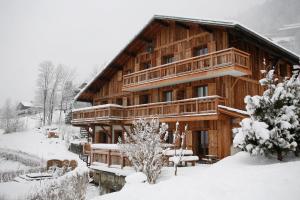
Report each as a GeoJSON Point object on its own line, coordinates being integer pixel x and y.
{"type": "Point", "coordinates": [167, 96]}
{"type": "Point", "coordinates": [200, 50]}
{"type": "Point", "coordinates": [201, 91]}
{"type": "Point", "coordinates": [168, 59]}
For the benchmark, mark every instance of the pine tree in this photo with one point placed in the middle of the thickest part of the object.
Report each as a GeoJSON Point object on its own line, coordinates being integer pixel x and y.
{"type": "Point", "coordinates": [273, 126]}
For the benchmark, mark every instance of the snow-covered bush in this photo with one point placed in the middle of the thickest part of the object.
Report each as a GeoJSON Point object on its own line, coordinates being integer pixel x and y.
{"type": "Point", "coordinates": [36, 164]}
{"type": "Point", "coordinates": [273, 126]}
{"type": "Point", "coordinates": [71, 186]}
{"type": "Point", "coordinates": [144, 145]}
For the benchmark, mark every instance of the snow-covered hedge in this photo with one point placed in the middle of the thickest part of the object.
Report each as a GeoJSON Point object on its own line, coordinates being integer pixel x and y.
{"type": "Point", "coordinates": [71, 186]}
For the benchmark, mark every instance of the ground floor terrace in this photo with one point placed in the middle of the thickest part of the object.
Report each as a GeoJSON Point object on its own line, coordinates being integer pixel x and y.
{"type": "Point", "coordinates": [210, 132]}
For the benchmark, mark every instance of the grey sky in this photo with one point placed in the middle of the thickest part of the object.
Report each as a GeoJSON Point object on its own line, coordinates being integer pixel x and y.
{"type": "Point", "coordinates": [82, 33]}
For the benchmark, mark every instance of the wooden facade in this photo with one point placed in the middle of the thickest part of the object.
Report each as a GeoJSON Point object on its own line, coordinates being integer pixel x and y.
{"type": "Point", "coordinates": [181, 69]}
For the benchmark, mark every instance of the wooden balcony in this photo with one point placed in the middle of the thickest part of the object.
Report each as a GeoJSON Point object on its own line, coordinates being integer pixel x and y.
{"type": "Point", "coordinates": [220, 63]}
{"type": "Point", "coordinates": [186, 109]}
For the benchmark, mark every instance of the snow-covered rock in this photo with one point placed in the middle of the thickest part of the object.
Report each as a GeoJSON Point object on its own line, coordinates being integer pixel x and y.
{"type": "Point", "coordinates": [137, 177]}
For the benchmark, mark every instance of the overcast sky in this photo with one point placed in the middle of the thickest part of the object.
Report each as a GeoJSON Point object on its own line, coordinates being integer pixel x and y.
{"type": "Point", "coordinates": [82, 33]}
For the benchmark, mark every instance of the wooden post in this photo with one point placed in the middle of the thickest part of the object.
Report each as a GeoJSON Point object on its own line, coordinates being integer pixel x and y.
{"type": "Point", "coordinates": [109, 158]}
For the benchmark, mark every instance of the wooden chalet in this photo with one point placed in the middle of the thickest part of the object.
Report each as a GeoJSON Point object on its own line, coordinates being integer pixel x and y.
{"type": "Point", "coordinates": [193, 71]}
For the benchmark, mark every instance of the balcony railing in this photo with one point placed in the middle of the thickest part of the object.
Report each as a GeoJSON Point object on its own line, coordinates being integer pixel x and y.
{"type": "Point", "coordinates": [231, 57]}
{"type": "Point", "coordinates": [181, 108]}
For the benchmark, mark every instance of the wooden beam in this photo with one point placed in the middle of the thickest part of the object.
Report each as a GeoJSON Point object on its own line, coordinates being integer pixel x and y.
{"type": "Point", "coordinates": [182, 25]}
{"type": "Point", "coordinates": [145, 39]}
{"type": "Point", "coordinates": [204, 28]}
{"type": "Point", "coordinates": [129, 53]}
{"type": "Point", "coordinates": [248, 80]}
{"type": "Point", "coordinates": [117, 66]}
{"type": "Point", "coordinates": [106, 132]}
{"type": "Point", "coordinates": [162, 23]}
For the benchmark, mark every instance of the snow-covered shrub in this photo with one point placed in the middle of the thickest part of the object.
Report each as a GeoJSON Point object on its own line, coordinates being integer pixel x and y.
{"type": "Point", "coordinates": [144, 145]}
{"type": "Point", "coordinates": [273, 126]}
{"type": "Point", "coordinates": [36, 164]}
{"type": "Point", "coordinates": [71, 186]}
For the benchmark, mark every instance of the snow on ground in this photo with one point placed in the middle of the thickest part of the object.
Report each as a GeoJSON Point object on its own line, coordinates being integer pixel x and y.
{"type": "Point", "coordinates": [9, 165]}
{"type": "Point", "coordinates": [236, 177]}
{"type": "Point", "coordinates": [35, 142]}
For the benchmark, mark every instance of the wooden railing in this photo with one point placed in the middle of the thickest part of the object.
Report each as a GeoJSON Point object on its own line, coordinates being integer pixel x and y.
{"type": "Point", "coordinates": [208, 62]}
{"type": "Point", "coordinates": [109, 156]}
{"type": "Point", "coordinates": [185, 107]}
{"type": "Point", "coordinates": [193, 106]}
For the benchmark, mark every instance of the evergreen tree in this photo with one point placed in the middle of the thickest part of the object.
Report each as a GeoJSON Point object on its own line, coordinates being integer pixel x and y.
{"type": "Point", "coordinates": [273, 126]}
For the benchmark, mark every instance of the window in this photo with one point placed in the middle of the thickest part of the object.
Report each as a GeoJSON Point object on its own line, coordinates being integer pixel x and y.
{"type": "Point", "coordinates": [200, 50]}
{"type": "Point", "coordinates": [201, 91]}
{"type": "Point", "coordinates": [283, 70]}
{"type": "Point", "coordinates": [144, 99]}
{"type": "Point", "coordinates": [168, 59]}
{"type": "Point", "coordinates": [145, 65]}
{"type": "Point", "coordinates": [167, 96]}
{"type": "Point", "coordinates": [119, 101]}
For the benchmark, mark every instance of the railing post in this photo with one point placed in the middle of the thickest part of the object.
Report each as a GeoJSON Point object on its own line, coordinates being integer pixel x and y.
{"type": "Point", "coordinates": [122, 161]}
{"type": "Point", "coordinates": [233, 57]}
{"type": "Point", "coordinates": [109, 158]}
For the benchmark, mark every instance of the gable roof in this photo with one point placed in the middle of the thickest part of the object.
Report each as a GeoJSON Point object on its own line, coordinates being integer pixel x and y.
{"type": "Point", "coordinates": [26, 104]}
{"type": "Point", "coordinates": [86, 92]}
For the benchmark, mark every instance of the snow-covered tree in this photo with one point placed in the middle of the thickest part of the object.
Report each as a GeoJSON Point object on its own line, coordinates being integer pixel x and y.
{"type": "Point", "coordinates": [144, 146]}
{"type": "Point", "coordinates": [9, 120]}
{"type": "Point", "coordinates": [273, 126]}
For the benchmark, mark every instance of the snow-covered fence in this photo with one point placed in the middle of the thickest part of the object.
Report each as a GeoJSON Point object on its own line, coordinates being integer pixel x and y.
{"type": "Point", "coordinates": [109, 154]}
{"type": "Point", "coordinates": [35, 163]}
{"type": "Point", "coordinates": [71, 186]}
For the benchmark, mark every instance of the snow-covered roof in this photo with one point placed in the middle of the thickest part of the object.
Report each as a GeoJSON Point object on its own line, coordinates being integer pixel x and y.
{"type": "Point", "coordinates": [228, 24]}
{"type": "Point", "coordinates": [243, 112]}
{"type": "Point", "coordinates": [26, 104]}
{"type": "Point", "coordinates": [99, 106]}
